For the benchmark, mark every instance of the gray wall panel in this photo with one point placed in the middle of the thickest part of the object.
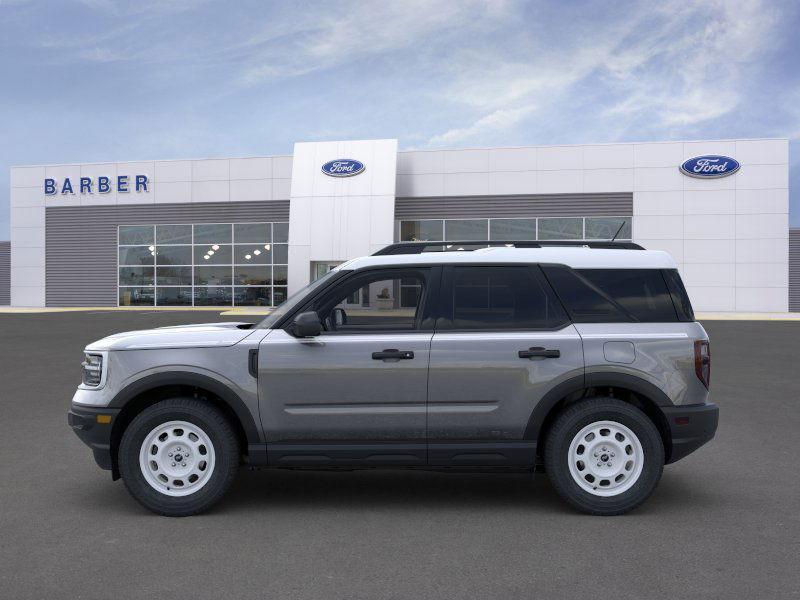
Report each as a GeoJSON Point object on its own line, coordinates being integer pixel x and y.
{"type": "Point", "coordinates": [794, 270]}
{"type": "Point", "coordinates": [5, 273]}
{"type": "Point", "coordinates": [545, 205]}
{"type": "Point", "coordinates": [82, 241]}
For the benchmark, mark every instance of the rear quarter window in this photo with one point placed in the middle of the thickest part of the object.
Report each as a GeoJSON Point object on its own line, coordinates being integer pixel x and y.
{"type": "Point", "coordinates": [613, 295]}
{"type": "Point", "coordinates": [679, 296]}
{"type": "Point", "coordinates": [641, 292]}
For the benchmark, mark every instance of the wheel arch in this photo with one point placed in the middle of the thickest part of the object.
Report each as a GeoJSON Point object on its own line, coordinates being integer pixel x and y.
{"type": "Point", "coordinates": [145, 392]}
{"type": "Point", "coordinates": [628, 388]}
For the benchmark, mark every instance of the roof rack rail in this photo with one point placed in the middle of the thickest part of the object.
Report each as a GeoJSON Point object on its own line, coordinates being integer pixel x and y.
{"type": "Point", "coordinates": [453, 246]}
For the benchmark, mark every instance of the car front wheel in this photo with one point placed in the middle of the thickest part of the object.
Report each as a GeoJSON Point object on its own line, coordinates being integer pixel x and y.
{"type": "Point", "coordinates": [178, 457]}
{"type": "Point", "coordinates": [604, 456]}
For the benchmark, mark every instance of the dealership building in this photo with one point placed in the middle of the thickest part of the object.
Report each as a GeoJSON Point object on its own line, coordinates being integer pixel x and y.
{"type": "Point", "coordinates": [249, 231]}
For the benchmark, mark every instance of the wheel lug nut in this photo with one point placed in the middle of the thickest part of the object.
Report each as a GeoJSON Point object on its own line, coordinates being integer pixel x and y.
{"type": "Point", "coordinates": [173, 464]}
{"type": "Point", "coordinates": [183, 464]}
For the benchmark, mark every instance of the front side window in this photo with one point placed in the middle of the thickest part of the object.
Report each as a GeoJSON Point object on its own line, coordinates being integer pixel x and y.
{"type": "Point", "coordinates": [498, 298]}
{"type": "Point", "coordinates": [381, 301]}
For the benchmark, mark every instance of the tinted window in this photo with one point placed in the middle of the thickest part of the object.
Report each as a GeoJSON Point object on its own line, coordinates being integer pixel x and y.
{"type": "Point", "coordinates": [679, 296]}
{"type": "Point", "coordinates": [501, 298]}
{"type": "Point", "coordinates": [611, 295]}
{"type": "Point", "coordinates": [585, 302]}
{"type": "Point", "coordinates": [641, 292]}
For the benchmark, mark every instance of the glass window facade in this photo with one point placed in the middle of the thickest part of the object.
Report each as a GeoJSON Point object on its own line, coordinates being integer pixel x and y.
{"type": "Point", "coordinates": [541, 228]}
{"type": "Point", "coordinates": [208, 264]}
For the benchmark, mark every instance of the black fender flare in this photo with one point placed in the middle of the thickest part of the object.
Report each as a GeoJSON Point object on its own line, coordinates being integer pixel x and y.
{"type": "Point", "coordinates": [590, 380]}
{"type": "Point", "coordinates": [178, 378]}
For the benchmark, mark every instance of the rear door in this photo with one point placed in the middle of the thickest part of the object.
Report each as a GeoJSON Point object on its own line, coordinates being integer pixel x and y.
{"type": "Point", "coordinates": [502, 342]}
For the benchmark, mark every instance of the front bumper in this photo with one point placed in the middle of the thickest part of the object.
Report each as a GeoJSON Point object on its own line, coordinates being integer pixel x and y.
{"type": "Point", "coordinates": [690, 427]}
{"type": "Point", "coordinates": [93, 432]}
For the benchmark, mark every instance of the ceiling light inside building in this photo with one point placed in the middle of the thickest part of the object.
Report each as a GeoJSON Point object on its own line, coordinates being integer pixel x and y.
{"type": "Point", "coordinates": [256, 252]}
{"type": "Point", "coordinates": [247, 256]}
{"type": "Point", "coordinates": [215, 247]}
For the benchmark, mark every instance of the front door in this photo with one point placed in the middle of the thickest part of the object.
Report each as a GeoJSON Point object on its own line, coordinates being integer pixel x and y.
{"type": "Point", "coordinates": [357, 392]}
{"type": "Point", "coordinates": [502, 341]}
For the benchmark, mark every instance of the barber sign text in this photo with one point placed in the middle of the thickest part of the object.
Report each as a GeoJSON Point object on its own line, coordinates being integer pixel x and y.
{"type": "Point", "coordinates": [100, 185]}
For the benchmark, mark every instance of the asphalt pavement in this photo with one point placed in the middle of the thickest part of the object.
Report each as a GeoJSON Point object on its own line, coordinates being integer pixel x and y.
{"type": "Point", "coordinates": [723, 523]}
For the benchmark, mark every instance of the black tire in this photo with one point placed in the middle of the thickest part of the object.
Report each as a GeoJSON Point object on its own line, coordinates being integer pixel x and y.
{"type": "Point", "coordinates": [222, 437]}
{"type": "Point", "coordinates": [570, 422]}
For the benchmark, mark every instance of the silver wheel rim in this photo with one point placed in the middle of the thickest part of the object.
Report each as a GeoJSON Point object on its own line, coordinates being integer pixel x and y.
{"type": "Point", "coordinates": [605, 458]}
{"type": "Point", "coordinates": [177, 458]}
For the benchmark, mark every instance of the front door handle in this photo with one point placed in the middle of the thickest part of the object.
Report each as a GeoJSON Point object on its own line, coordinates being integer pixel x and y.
{"type": "Point", "coordinates": [539, 352]}
{"type": "Point", "coordinates": [391, 353]}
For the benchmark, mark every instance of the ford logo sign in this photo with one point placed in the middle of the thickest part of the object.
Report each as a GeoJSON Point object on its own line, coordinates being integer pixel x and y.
{"type": "Point", "coordinates": [343, 167]}
{"type": "Point", "coordinates": [710, 166]}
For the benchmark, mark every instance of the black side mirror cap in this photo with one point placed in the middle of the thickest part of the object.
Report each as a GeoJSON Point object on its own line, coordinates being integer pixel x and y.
{"type": "Point", "coordinates": [306, 325]}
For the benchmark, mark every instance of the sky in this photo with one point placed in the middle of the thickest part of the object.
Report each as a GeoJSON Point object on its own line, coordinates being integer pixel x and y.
{"type": "Point", "coordinates": [96, 80]}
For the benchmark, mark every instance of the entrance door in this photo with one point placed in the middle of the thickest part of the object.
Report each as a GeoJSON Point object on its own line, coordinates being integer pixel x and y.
{"type": "Point", "coordinates": [501, 343]}
{"type": "Point", "coordinates": [357, 392]}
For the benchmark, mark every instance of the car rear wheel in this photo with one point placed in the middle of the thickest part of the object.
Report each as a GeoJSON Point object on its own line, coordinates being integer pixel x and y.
{"type": "Point", "coordinates": [604, 456]}
{"type": "Point", "coordinates": [178, 457]}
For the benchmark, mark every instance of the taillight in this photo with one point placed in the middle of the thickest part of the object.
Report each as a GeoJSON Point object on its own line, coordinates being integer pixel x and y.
{"type": "Point", "coordinates": [702, 361]}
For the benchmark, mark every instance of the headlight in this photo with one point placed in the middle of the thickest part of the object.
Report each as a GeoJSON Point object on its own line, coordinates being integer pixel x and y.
{"type": "Point", "coordinates": [92, 369]}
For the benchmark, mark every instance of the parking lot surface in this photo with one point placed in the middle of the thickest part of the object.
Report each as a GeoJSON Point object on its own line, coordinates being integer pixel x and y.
{"type": "Point", "coordinates": [723, 523]}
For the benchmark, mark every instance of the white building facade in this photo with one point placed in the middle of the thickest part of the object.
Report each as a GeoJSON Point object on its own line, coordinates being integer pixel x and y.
{"type": "Point", "coordinates": [249, 231]}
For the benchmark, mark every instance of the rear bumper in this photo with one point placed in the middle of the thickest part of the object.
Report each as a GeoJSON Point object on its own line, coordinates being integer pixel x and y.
{"type": "Point", "coordinates": [690, 427]}
{"type": "Point", "coordinates": [83, 421]}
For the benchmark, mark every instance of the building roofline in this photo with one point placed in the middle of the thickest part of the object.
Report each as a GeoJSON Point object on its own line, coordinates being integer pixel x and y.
{"type": "Point", "coordinates": [630, 143]}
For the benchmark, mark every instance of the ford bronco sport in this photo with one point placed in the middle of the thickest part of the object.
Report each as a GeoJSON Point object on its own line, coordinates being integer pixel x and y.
{"type": "Point", "coordinates": [582, 361]}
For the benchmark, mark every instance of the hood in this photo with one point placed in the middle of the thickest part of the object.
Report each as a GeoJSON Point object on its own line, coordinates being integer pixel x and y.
{"type": "Point", "coordinates": [206, 335]}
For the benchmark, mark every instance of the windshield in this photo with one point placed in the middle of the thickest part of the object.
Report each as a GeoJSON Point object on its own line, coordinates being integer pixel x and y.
{"type": "Point", "coordinates": [297, 298]}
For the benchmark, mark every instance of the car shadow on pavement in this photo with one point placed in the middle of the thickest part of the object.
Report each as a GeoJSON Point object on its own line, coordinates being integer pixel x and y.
{"type": "Point", "coordinates": [256, 491]}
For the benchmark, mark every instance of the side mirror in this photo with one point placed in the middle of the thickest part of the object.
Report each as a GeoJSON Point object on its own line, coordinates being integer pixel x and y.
{"type": "Point", "coordinates": [307, 325]}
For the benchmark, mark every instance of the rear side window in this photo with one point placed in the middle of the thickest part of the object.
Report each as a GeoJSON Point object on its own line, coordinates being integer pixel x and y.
{"type": "Point", "coordinates": [585, 302]}
{"type": "Point", "coordinates": [497, 298]}
{"type": "Point", "coordinates": [641, 292]}
{"type": "Point", "coordinates": [679, 296]}
{"type": "Point", "coordinates": [613, 295]}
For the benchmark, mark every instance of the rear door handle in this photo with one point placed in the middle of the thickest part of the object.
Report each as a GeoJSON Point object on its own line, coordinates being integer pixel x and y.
{"type": "Point", "coordinates": [391, 353]}
{"type": "Point", "coordinates": [539, 352]}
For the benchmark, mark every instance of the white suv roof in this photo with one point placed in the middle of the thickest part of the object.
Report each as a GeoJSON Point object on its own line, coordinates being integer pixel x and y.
{"type": "Point", "coordinates": [575, 257]}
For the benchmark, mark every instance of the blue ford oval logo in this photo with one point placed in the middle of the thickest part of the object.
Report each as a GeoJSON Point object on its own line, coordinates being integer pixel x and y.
{"type": "Point", "coordinates": [710, 166]}
{"type": "Point", "coordinates": [343, 167]}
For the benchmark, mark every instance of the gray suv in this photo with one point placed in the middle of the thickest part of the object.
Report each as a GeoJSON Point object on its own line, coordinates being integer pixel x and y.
{"type": "Point", "coordinates": [582, 361]}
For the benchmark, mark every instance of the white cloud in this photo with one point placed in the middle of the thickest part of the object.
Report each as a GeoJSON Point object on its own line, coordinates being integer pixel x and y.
{"type": "Point", "coordinates": [323, 40]}
{"type": "Point", "coordinates": [500, 119]}
{"type": "Point", "coordinates": [673, 65]}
